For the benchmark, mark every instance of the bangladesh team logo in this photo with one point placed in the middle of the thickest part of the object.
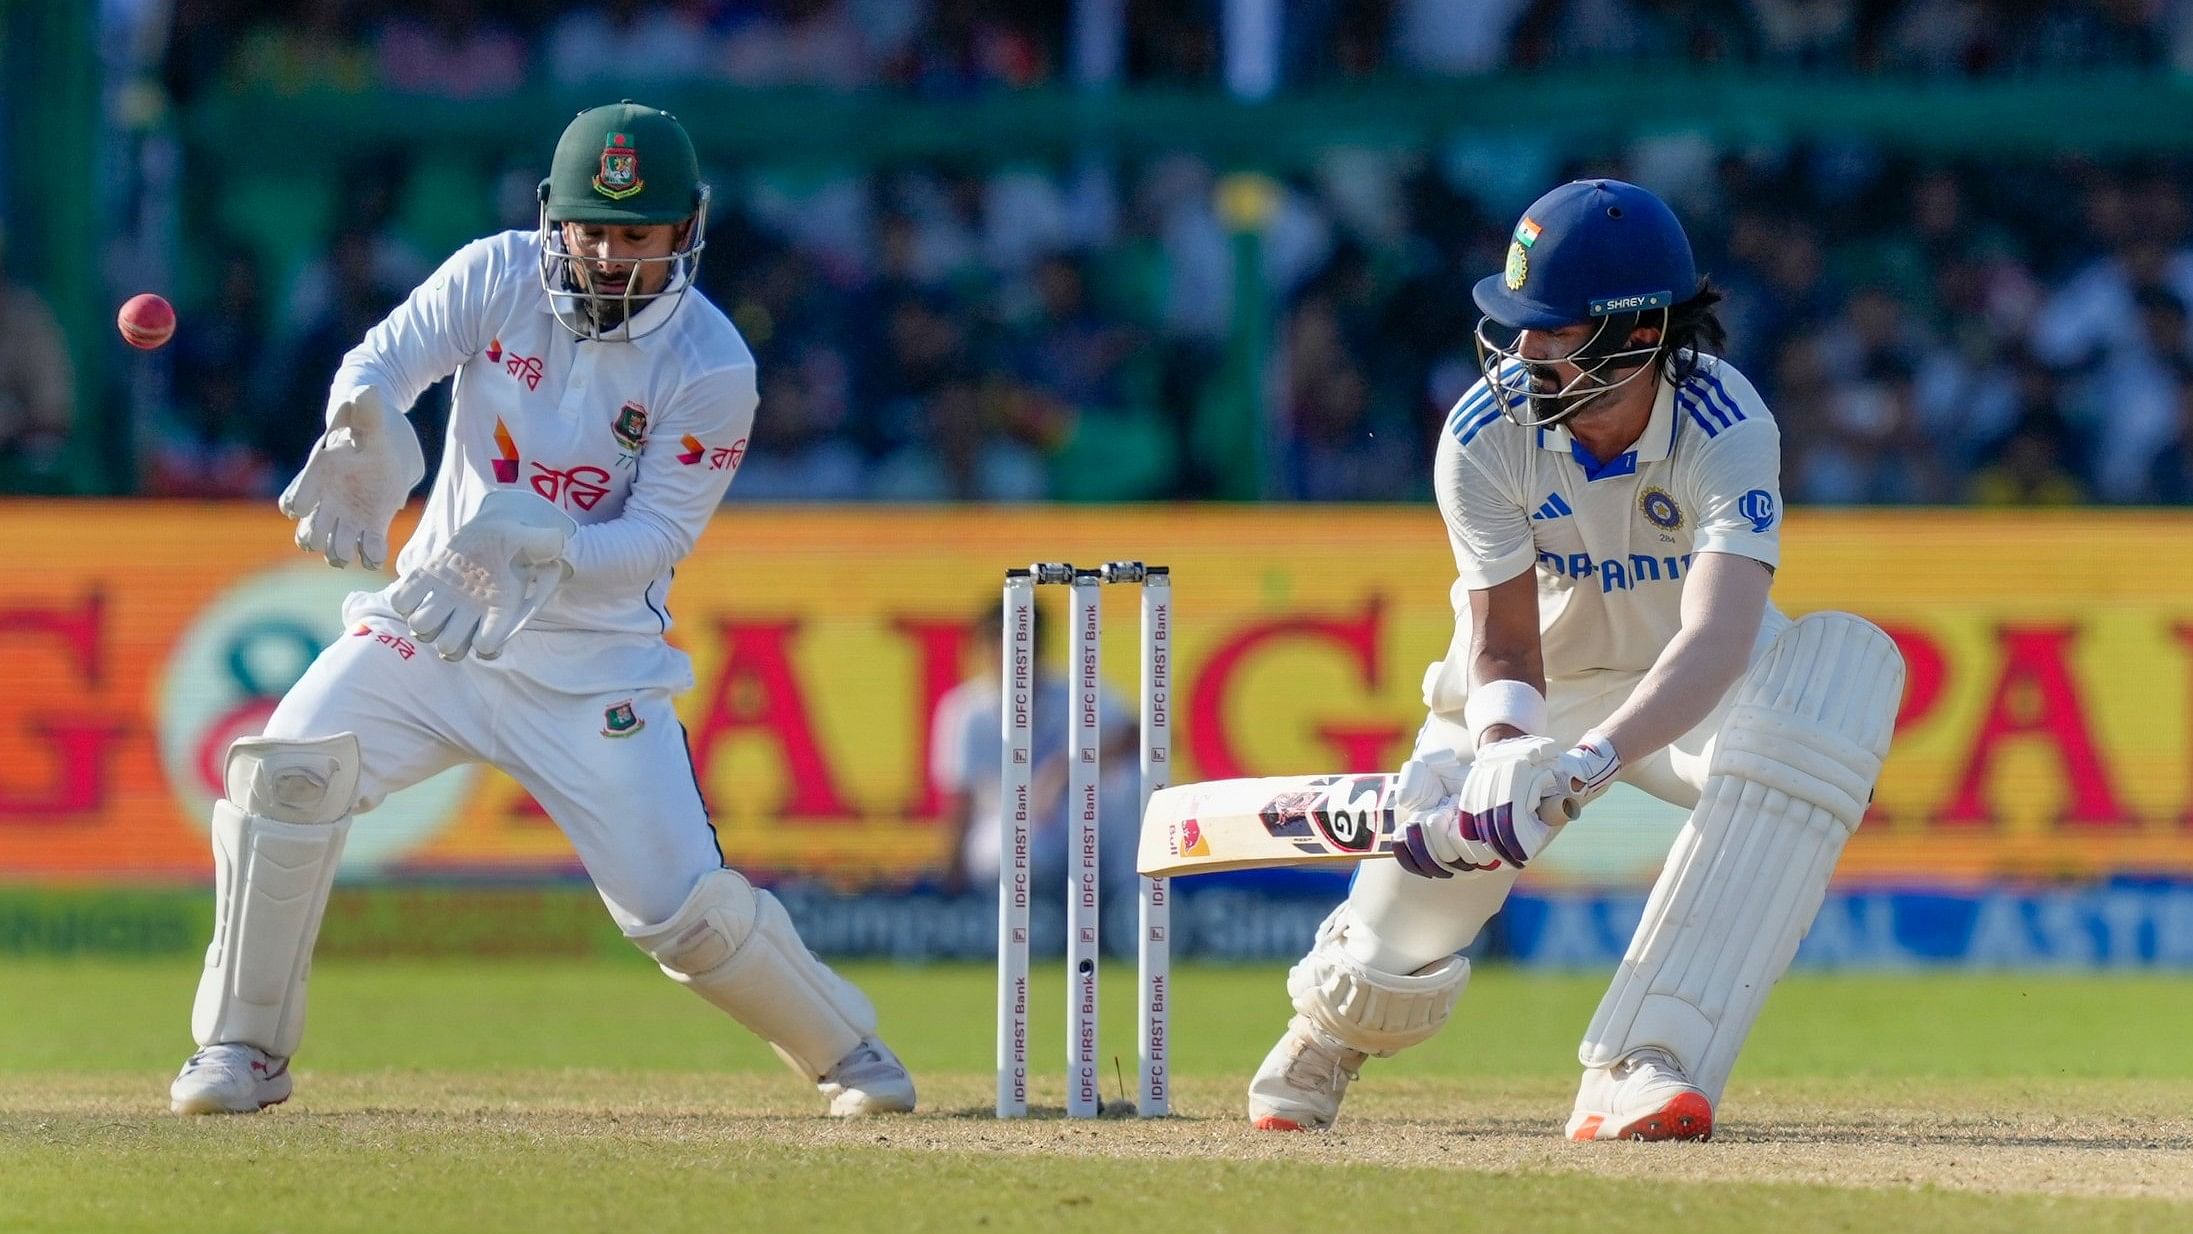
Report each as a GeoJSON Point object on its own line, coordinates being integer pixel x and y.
{"type": "Point", "coordinates": [619, 176]}
{"type": "Point", "coordinates": [621, 721]}
{"type": "Point", "coordinates": [630, 426]}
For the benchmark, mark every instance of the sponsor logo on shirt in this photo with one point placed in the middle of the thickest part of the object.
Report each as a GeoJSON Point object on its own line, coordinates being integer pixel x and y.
{"type": "Point", "coordinates": [583, 486]}
{"type": "Point", "coordinates": [718, 457]}
{"type": "Point", "coordinates": [1553, 508]}
{"type": "Point", "coordinates": [1758, 506]}
{"type": "Point", "coordinates": [1616, 573]}
{"type": "Point", "coordinates": [506, 465]}
{"type": "Point", "coordinates": [525, 368]}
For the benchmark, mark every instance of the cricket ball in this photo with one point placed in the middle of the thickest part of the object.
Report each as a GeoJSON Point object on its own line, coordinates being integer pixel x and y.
{"type": "Point", "coordinates": [146, 321]}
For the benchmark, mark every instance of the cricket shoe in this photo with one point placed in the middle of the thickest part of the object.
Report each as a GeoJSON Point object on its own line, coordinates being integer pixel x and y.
{"type": "Point", "coordinates": [1643, 1097]}
{"type": "Point", "coordinates": [869, 1080]}
{"type": "Point", "coordinates": [1300, 1085]}
{"type": "Point", "coordinates": [230, 1079]}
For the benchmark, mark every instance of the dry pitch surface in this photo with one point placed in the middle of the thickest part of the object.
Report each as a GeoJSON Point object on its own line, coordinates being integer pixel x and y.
{"type": "Point", "coordinates": [546, 1098]}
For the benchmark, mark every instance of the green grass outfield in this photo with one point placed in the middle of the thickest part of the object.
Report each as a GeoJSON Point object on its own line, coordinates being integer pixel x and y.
{"type": "Point", "coordinates": [594, 1095]}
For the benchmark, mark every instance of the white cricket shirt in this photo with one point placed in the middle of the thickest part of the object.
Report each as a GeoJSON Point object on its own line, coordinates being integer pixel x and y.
{"type": "Point", "coordinates": [637, 441]}
{"type": "Point", "coordinates": [1611, 542]}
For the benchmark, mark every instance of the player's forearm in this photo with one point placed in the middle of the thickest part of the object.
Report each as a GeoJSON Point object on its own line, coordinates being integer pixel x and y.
{"type": "Point", "coordinates": [1720, 624]}
{"type": "Point", "coordinates": [627, 552]}
{"type": "Point", "coordinates": [1681, 689]}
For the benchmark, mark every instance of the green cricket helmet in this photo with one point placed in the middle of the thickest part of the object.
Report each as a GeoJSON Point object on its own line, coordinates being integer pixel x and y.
{"type": "Point", "coordinates": [620, 165]}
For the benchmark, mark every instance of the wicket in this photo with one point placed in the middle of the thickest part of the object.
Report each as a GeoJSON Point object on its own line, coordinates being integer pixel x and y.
{"type": "Point", "coordinates": [1153, 954]}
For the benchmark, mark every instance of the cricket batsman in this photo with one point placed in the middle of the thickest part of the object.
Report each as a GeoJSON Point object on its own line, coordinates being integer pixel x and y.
{"type": "Point", "coordinates": [1611, 492]}
{"type": "Point", "coordinates": [602, 406]}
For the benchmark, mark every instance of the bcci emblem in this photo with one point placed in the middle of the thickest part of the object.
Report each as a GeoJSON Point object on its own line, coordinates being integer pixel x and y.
{"type": "Point", "coordinates": [619, 721]}
{"type": "Point", "coordinates": [619, 176]}
{"type": "Point", "coordinates": [630, 426]}
{"type": "Point", "coordinates": [1519, 265]}
{"type": "Point", "coordinates": [1660, 509]}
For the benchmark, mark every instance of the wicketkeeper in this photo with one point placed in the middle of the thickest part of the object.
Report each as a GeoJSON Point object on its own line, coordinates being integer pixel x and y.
{"type": "Point", "coordinates": [1612, 492]}
{"type": "Point", "coordinates": [602, 407]}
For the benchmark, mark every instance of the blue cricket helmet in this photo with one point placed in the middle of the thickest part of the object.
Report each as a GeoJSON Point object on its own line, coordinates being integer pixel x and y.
{"type": "Point", "coordinates": [1600, 251]}
{"type": "Point", "coordinates": [1590, 249]}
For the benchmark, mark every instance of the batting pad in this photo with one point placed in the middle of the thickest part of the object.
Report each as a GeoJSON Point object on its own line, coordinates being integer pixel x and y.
{"type": "Point", "coordinates": [277, 838]}
{"type": "Point", "coordinates": [1793, 768]}
{"type": "Point", "coordinates": [1367, 1010]}
{"type": "Point", "coordinates": [735, 946]}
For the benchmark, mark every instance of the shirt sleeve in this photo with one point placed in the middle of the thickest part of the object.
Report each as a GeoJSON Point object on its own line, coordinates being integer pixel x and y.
{"type": "Point", "coordinates": [679, 481]}
{"type": "Point", "coordinates": [424, 339]}
{"type": "Point", "coordinates": [1736, 491]}
{"type": "Point", "coordinates": [1489, 531]}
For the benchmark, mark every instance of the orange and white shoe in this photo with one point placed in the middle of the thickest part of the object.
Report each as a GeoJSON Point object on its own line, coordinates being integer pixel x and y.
{"type": "Point", "coordinates": [1300, 1085]}
{"type": "Point", "coordinates": [1643, 1097]}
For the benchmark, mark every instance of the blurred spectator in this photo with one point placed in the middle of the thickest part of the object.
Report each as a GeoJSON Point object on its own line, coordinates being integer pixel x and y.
{"type": "Point", "coordinates": [799, 43]}
{"type": "Point", "coordinates": [966, 748]}
{"type": "Point", "coordinates": [629, 40]}
{"type": "Point", "coordinates": [967, 45]}
{"type": "Point", "coordinates": [2029, 469]}
{"type": "Point", "coordinates": [357, 300]}
{"type": "Point", "coordinates": [321, 47]}
{"type": "Point", "coordinates": [920, 336]}
{"type": "Point", "coordinates": [452, 51]}
{"type": "Point", "coordinates": [2170, 479]}
{"type": "Point", "coordinates": [214, 440]}
{"type": "Point", "coordinates": [37, 392]}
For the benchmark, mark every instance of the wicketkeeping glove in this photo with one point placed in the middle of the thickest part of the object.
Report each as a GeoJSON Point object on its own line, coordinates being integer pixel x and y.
{"type": "Point", "coordinates": [357, 477]}
{"type": "Point", "coordinates": [496, 572]}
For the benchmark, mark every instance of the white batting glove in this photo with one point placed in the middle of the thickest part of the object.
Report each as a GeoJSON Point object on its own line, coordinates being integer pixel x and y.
{"type": "Point", "coordinates": [354, 481]}
{"type": "Point", "coordinates": [1427, 780]}
{"type": "Point", "coordinates": [1494, 818]}
{"type": "Point", "coordinates": [495, 573]}
{"type": "Point", "coordinates": [1587, 768]}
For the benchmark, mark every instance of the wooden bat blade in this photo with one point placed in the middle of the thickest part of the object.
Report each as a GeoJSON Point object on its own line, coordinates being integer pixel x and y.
{"type": "Point", "coordinates": [1247, 824]}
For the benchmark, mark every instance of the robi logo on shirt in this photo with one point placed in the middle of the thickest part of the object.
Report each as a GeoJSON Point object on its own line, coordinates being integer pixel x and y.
{"type": "Point", "coordinates": [719, 457]}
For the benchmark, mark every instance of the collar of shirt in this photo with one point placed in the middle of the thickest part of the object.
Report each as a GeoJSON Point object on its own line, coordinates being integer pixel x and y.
{"type": "Point", "coordinates": [1652, 446]}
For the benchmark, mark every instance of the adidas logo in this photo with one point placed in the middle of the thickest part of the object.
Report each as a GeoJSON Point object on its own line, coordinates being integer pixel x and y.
{"type": "Point", "coordinates": [1553, 509]}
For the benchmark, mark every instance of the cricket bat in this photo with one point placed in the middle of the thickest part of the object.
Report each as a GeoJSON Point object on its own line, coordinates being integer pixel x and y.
{"type": "Point", "coordinates": [1329, 820]}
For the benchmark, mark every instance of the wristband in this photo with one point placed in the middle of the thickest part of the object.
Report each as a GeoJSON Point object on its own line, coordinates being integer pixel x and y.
{"type": "Point", "coordinates": [1504, 702]}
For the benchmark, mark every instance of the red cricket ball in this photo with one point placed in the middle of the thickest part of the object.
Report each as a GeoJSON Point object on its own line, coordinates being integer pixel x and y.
{"type": "Point", "coordinates": [146, 321]}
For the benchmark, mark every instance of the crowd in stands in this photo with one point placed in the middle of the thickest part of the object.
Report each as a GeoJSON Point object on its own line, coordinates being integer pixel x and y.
{"type": "Point", "coordinates": [1927, 330]}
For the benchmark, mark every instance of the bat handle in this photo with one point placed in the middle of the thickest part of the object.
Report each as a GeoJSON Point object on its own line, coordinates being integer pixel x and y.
{"type": "Point", "coordinates": [1554, 811]}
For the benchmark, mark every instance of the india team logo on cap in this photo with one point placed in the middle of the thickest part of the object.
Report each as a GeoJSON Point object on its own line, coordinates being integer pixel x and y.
{"type": "Point", "coordinates": [1519, 266]}
{"type": "Point", "coordinates": [619, 176]}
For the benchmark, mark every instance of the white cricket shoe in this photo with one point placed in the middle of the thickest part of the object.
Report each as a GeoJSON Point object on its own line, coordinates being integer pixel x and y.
{"type": "Point", "coordinates": [1643, 1097]}
{"type": "Point", "coordinates": [869, 1080]}
{"type": "Point", "coordinates": [1300, 1085]}
{"type": "Point", "coordinates": [230, 1079]}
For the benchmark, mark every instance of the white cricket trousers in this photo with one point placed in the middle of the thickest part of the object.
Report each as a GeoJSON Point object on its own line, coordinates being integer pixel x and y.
{"type": "Point", "coordinates": [611, 769]}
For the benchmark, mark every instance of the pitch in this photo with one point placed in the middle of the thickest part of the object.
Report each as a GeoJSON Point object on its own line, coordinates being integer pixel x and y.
{"type": "Point", "coordinates": [543, 1097]}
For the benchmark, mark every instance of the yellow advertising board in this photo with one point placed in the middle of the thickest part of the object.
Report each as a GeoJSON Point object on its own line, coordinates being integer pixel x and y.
{"type": "Point", "coordinates": [2047, 730]}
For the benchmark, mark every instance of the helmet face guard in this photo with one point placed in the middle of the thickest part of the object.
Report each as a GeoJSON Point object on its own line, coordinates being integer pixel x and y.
{"type": "Point", "coordinates": [1600, 359]}
{"type": "Point", "coordinates": [591, 314]}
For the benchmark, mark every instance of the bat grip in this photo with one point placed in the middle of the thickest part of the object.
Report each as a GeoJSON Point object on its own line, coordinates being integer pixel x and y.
{"type": "Point", "coordinates": [1557, 810]}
